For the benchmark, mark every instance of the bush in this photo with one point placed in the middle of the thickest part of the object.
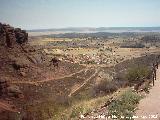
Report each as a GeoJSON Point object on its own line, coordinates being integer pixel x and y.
{"type": "Point", "coordinates": [124, 106]}
{"type": "Point", "coordinates": [137, 73]}
{"type": "Point", "coordinates": [137, 45]}
{"type": "Point", "coordinates": [106, 87]}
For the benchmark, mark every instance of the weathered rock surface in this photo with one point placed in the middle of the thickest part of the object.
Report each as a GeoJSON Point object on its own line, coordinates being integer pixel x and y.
{"type": "Point", "coordinates": [12, 35]}
{"type": "Point", "coordinates": [3, 87]}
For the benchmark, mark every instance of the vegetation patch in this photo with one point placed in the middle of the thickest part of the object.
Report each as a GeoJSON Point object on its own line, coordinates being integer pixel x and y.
{"type": "Point", "coordinates": [137, 73]}
{"type": "Point", "coordinates": [137, 45]}
{"type": "Point", "coordinates": [108, 86]}
{"type": "Point", "coordinates": [86, 106]}
{"type": "Point", "coordinates": [124, 107]}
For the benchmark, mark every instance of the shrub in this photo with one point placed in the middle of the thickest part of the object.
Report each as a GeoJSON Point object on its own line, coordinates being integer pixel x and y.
{"type": "Point", "coordinates": [137, 45]}
{"type": "Point", "coordinates": [106, 86]}
{"type": "Point", "coordinates": [137, 73]}
{"type": "Point", "coordinates": [63, 100]}
{"type": "Point", "coordinates": [85, 106]}
{"type": "Point", "coordinates": [124, 106]}
{"type": "Point", "coordinates": [77, 111]}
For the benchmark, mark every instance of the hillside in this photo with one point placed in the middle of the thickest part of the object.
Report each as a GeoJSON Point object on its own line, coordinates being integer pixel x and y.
{"type": "Point", "coordinates": [45, 78]}
{"type": "Point", "coordinates": [22, 66]}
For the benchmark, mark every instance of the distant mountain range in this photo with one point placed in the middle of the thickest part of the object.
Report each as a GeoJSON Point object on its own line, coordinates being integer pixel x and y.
{"type": "Point", "coordinates": [100, 29]}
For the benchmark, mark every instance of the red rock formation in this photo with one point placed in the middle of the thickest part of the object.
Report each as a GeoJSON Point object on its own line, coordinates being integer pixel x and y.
{"type": "Point", "coordinates": [12, 35]}
{"type": "Point", "coordinates": [3, 87]}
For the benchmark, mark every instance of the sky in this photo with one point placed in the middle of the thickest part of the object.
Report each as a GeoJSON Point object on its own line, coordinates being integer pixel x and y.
{"type": "Point", "coordinates": [43, 14]}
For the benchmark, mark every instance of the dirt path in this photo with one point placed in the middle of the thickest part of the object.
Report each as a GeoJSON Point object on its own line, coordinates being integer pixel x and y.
{"type": "Point", "coordinates": [46, 80]}
{"type": "Point", "coordinates": [5, 106]}
{"type": "Point", "coordinates": [77, 87]}
{"type": "Point", "coordinates": [149, 107]}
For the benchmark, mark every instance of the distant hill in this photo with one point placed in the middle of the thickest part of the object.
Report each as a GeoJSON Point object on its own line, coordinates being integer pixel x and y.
{"type": "Point", "coordinates": [100, 29]}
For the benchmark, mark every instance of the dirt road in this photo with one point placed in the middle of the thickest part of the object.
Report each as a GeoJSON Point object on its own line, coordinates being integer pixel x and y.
{"type": "Point", "coordinates": [46, 80]}
{"type": "Point", "coordinates": [149, 107]}
{"type": "Point", "coordinates": [77, 87]}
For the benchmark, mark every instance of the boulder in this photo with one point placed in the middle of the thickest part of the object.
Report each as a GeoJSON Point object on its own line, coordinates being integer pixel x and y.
{"type": "Point", "coordinates": [14, 91]}
{"type": "Point", "coordinates": [23, 74]}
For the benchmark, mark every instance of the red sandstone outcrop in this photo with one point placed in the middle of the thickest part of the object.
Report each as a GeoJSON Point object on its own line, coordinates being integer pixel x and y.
{"type": "Point", "coordinates": [12, 35]}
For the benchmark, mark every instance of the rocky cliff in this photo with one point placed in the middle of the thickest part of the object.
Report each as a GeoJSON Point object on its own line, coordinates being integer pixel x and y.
{"type": "Point", "coordinates": [10, 35]}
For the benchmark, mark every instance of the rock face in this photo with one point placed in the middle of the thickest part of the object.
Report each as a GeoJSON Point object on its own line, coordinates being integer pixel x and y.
{"type": "Point", "coordinates": [12, 35]}
{"type": "Point", "coordinates": [9, 90]}
{"type": "Point", "coordinates": [3, 87]}
{"type": "Point", "coordinates": [14, 91]}
{"type": "Point", "coordinates": [21, 35]}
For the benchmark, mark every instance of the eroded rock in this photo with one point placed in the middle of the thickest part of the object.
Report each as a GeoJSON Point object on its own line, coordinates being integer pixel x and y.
{"type": "Point", "coordinates": [12, 35]}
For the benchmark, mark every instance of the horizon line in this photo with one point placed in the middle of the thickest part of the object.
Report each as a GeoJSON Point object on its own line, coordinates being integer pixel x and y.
{"type": "Point", "coordinates": [94, 27]}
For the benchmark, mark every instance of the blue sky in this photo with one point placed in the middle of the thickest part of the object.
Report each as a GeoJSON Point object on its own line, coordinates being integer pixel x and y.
{"type": "Point", "coordinates": [35, 14]}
